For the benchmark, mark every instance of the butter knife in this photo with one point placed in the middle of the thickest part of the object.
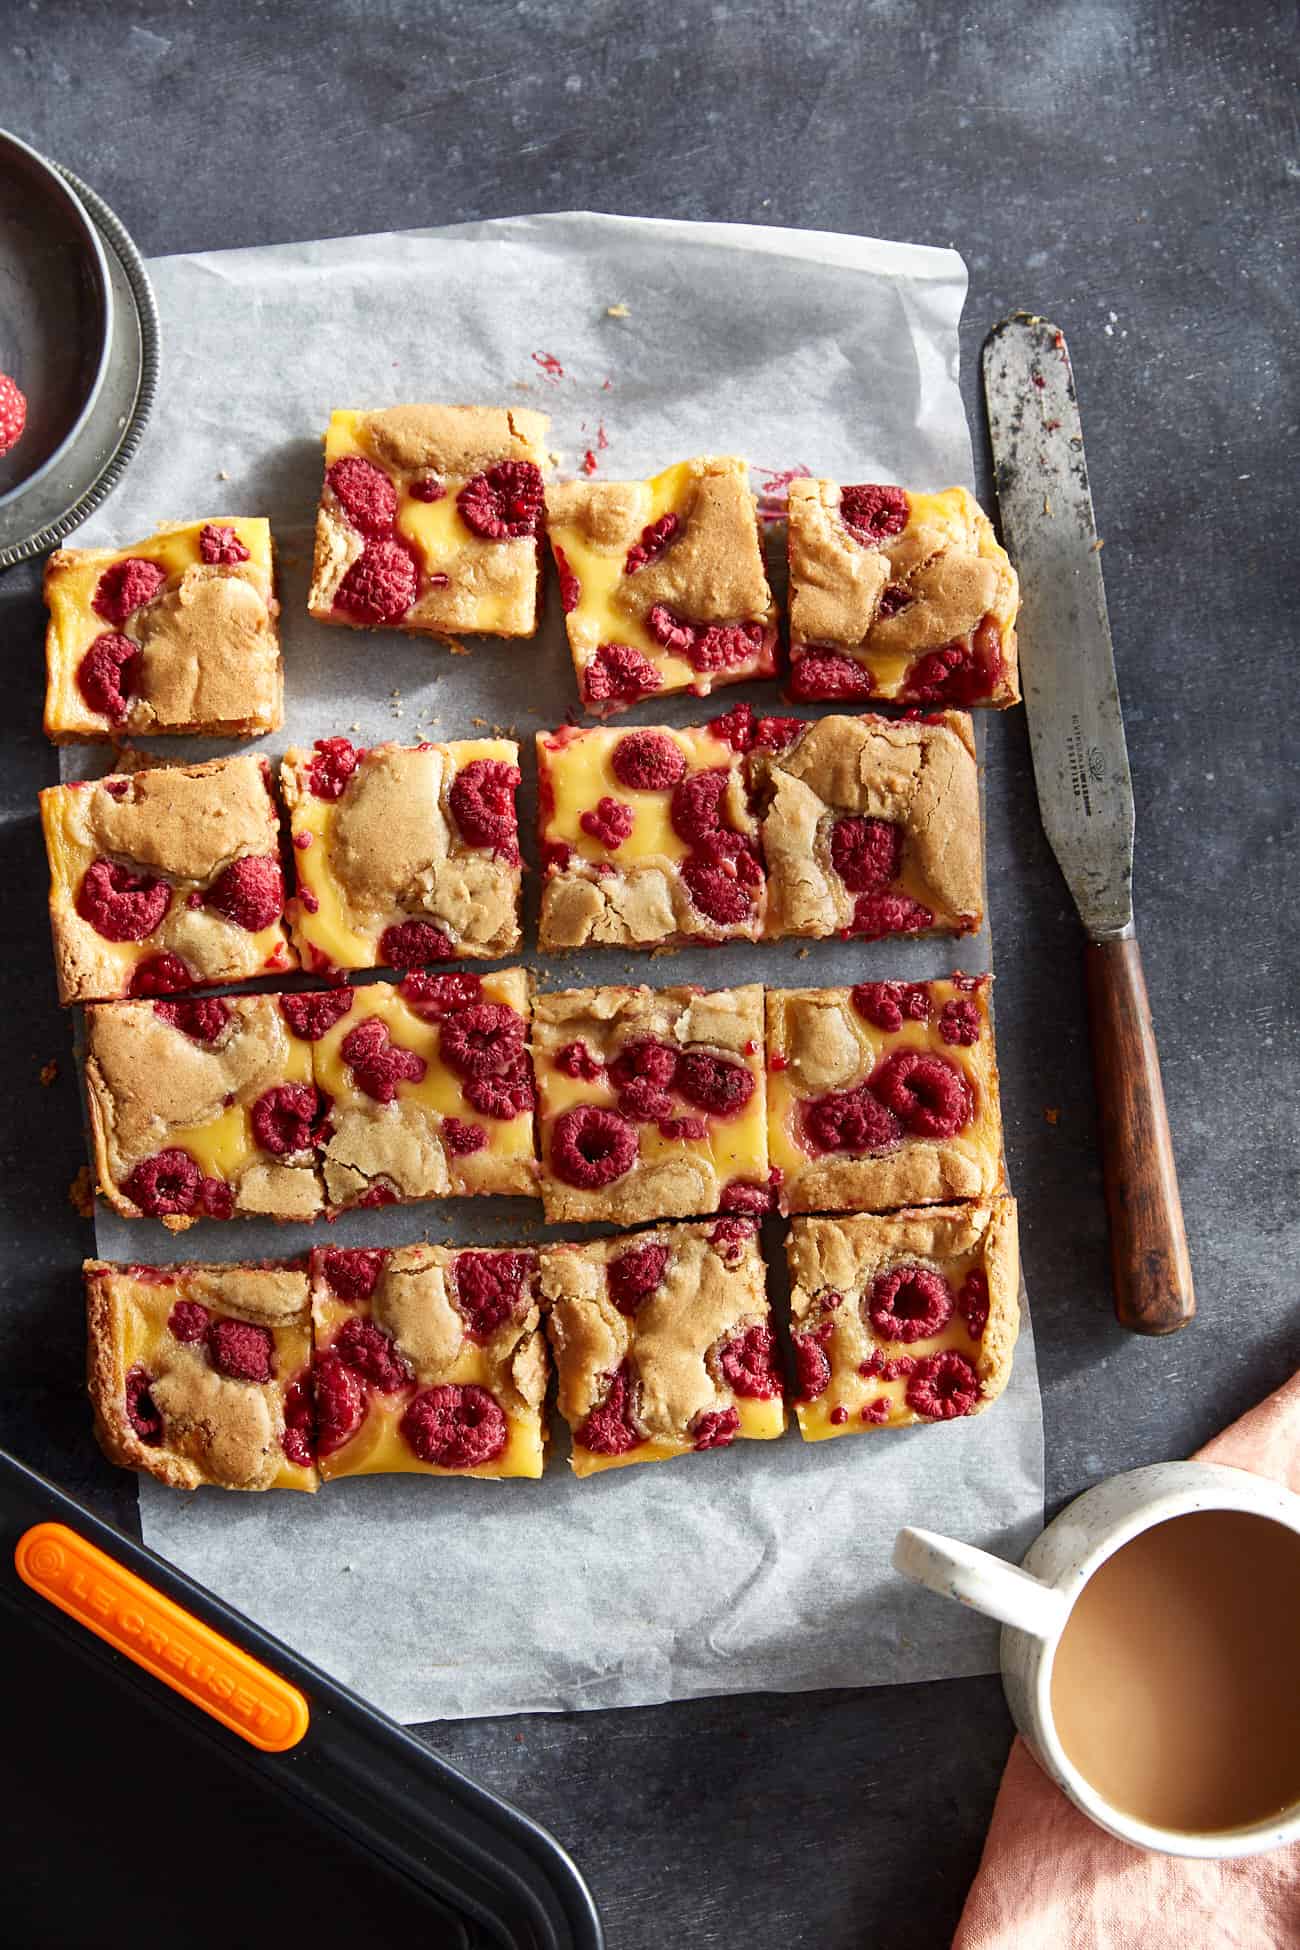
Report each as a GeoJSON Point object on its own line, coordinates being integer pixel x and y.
{"type": "Point", "coordinates": [1085, 796]}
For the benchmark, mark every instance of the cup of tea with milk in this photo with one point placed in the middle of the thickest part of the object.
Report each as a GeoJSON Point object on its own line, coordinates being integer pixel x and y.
{"type": "Point", "coordinates": [1151, 1653]}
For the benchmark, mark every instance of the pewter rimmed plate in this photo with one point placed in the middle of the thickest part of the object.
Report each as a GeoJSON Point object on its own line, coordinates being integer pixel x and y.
{"type": "Point", "coordinates": [89, 411]}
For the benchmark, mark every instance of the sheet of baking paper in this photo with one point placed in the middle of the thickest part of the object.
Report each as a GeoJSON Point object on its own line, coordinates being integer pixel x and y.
{"type": "Point", "coordinates": [765, 1567]}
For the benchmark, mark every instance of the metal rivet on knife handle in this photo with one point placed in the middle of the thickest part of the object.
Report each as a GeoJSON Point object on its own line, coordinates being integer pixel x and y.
{"type": "Point", "coordinates": [1085, 794]}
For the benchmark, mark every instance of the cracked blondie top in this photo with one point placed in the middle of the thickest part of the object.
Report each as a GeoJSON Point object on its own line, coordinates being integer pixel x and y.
{"type": "Point", "coordinates": [428, 1359]}
{"type": "Point", "coordinates": [173, 634]}
{"type": "Point", "coordinates": [899, 595]}
{"type": "Point", "coordinates": [901, 1319]}
{"type": "Point", "coordinates": [290, 1105]}
{"type": "Point", "coordinates": [663, 1343]}
{"type": "Point", "coordinates": [651, 1102]}
{"type": "Point", "coordinates": [201, 1374]}
{"type": "Point", "coordinates": [883, 1095]}
{"type": "Point", "coordinates": [646, 839]}
{"type": "Point", "coordinates": [203, 1107]}
{"type": "Point", "coordinates": [870, 827]}
{"type": "Point", "coordinates": [429, 1090]}
{"type": "Point", "coordinates": [430, 520]}
{"type": "Point", "coordinates": [165, 878]}
{"type": "Point", "coordinates": [662, 583]}
{"type": "Point", "coordinates": [404, 855]}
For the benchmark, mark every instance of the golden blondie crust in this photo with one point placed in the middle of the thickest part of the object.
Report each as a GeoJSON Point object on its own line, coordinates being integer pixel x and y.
{"type": "Point", "coordinates": [662, 582]}
{"type": "Point", "coordinates": [647, 839]}
{"type": "Point", "coordinates": [651, 1102]}
{"type": "Point", "coordinates": [883, 1095]}
{"type": "Point", "coordinates": [165, 878]}
{"type": "Point", "coordinates": [202, 1107]}
{"type": "Point", "coordinates": [430, 1090]}
{"type": "Point", "coordinates": [201, 1374]}
{"type": "Point", "coordinates": [404, 855]}
{"type": "Point", "coordinates": [662, 1342]}
{"type": "Point", "coordinates": [871, 826]}
{"type": "Point", "coordinates": [429, 521]}
{"type": "Point", "coordinates": [169, 635]}
{"type": "Point", "coordinates": [429, 1359]}
{"type": "Point", "coordinates": [910, 1317]}
{"type": "Point", "coordinates": [900, 595]}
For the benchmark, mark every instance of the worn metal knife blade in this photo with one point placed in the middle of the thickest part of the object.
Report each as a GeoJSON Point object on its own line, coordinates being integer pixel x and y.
{"type": "Point", "coordinates": [1085, 793]}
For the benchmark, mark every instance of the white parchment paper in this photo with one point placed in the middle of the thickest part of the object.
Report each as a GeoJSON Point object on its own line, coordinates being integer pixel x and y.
{"type": "Point", "coordinates": [763, 1567]}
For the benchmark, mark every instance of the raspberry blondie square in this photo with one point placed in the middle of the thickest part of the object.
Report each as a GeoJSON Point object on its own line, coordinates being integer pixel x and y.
{"type": "Point", "coordinates": [202, 1374]}
{"type": "Point", "coordinates": [662, 583]}
{"type": "Point", "coordinates": [663, 1343]}
{"type": "Point", "coordinates": [165, 878]}
{"type": "Point", "coordinates": [429, 521]}
{"type": "Point", "coordinates": [899, 595]}
{"type": "Point", "coordinates": [909, 1318]}
{"type": "Point", "coordinates": [429, 1088]}
{"type": "Point", "coordinates": [404, 854]}
{"type": "Point", "coordinates": [646, 838]}
{"type": "Point", "coordinates": [883, 1095]}
{"type": "Point", "coordinates": [429, 1360]}
{"type": "Point", "coordinates": [204, 1107]}
{"type": "Point", "coordinates": [173, 634]}
{"type": "Point", "coordinates": [652, 1103]}
{"type": "Point", "coordinates": [870, 827]}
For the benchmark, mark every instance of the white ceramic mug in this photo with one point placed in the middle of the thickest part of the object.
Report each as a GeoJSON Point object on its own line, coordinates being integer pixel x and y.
{"type": "Point", "coordinates": [1034, 1603]}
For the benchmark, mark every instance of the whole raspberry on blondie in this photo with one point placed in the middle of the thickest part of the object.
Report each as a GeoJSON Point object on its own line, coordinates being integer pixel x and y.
{"type": "Point", "coordinates": [405, 856]}
{"type": "Point", "coordinates": [646, 838]}
{"type": "Point", "coordinates": [164, 879]}
{"type": "Point", "coordinates": [203, 1107]}
{"type": "Point", "coordinates": [176, 634]}
{"type": "Point", "coordinates": [871, 826]}
{"type": "Point", "coordinates": [430, 1089]}
{"type": "Point", "coordinates": [663, 583]}
{"type": "Point", "coordinates": [883, 1095]}
{"type": "Point", "coordinates": [663, 1343]}
{"type": "Point", "coordinates": [429, 521]}
{"type": "Point", "coordinates": [429, 1359]}
{"type": "Point", "coordinates": [651, 1103]}
{"type": "Point", "coordinates": [898, 595]}
{"type": "Point", "coordinates": [202, 1374]}
{"type": "Point", "coordinates": [903, 1318]}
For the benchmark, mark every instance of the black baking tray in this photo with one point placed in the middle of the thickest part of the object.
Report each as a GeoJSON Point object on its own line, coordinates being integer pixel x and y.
{"type": "Point", "coordinates": [135, 1817]}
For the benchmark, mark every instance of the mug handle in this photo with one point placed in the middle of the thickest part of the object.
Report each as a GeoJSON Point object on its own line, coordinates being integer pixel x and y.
{"type": "Point", "coordinates": [985, 1583]}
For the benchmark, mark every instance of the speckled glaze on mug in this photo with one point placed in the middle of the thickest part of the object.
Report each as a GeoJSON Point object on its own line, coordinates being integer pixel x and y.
{"type": "Point", "coordinates": [1033, 1603]}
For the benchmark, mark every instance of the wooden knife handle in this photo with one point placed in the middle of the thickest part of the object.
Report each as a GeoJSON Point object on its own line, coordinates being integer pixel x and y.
{"type": "Point", "coordinates": [1150, 1270]}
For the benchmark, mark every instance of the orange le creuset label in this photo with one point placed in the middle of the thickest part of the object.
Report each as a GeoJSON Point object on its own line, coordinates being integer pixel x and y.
{"type": "Point", "coordinates": [174, 1646]}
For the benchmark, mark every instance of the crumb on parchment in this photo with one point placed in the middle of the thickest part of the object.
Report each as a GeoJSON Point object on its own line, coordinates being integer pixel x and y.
{"type": "Point", "coordinates": [81, 1193]}
{"type": "Point", "coordinates": [49, 1072]}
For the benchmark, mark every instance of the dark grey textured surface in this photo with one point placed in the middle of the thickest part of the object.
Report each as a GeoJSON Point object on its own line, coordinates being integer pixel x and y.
{"type": "Point", "coordinates": [1129, 166]}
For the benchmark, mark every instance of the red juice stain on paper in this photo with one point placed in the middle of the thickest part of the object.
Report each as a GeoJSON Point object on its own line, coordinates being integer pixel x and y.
{"type": "Point", "coordinates": [550, 365]}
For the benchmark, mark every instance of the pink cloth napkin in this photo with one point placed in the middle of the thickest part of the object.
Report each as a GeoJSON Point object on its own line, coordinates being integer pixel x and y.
{"type": "Point", "coordinates": [1050, 1880]}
